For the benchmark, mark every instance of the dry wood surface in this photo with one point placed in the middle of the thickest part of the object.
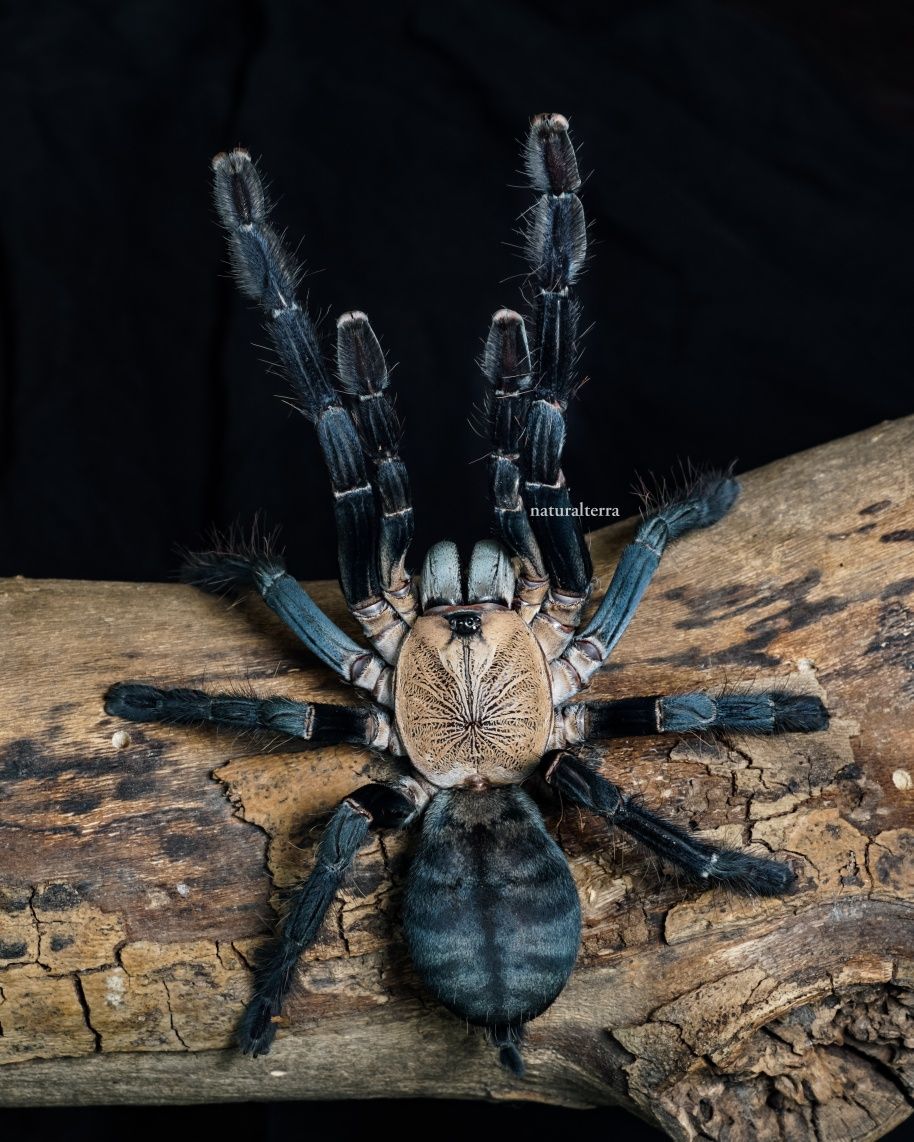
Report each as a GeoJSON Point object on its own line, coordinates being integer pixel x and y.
{"type": "Point", "coordinates": [138, 861]}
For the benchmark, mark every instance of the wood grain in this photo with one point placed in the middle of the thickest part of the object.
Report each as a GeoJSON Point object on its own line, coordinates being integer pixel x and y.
{"type": "Point", "coordinates": [136, 870]}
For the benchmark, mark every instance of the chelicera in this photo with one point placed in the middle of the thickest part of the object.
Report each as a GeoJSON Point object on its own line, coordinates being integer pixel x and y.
{"type": "Point", "coordinates": [475, 688]}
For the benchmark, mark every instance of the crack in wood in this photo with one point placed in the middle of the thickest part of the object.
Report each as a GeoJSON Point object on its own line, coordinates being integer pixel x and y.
{"type": "Point", "coordinates": [84, 1005]}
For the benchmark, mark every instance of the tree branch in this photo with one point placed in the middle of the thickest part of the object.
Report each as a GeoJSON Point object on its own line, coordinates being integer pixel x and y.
{"type": "Point", "coordinates": [138, 858]}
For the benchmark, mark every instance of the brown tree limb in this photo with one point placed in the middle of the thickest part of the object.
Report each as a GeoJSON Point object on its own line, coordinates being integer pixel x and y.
{"type": "Point", "coordinates": [135, 881]}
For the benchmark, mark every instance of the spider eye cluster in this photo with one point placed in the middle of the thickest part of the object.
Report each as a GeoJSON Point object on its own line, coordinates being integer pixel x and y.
{"type": "Point", "coordinates": [465, 624]}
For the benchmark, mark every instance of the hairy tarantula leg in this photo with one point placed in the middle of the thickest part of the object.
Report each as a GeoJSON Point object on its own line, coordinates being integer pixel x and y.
{"type": "Point", "coordinates": [702, 861]}
{"type": "Point", "coordinates": [320, 723]}
{"type": "Point", "coordinates": [267, 274]}
{"type": "Point", "coordinates": [364, 378]}
{"type": "Point", "coordinates": [556, 248]}
{"type": "Point", "coordinates": [371, 807]}
{"type": "Point", "coordinates": [506, 365]}
{"type": "Point", "coordinates": [233, 572]}
{"type": "Point", "coordinates": [769, 712]}
{"type": "Point", "coordinates": [702, 506]}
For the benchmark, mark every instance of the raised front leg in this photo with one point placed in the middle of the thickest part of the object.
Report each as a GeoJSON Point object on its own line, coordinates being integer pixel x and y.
{"type": "Point", "coordinates": [700, 860]}
{"type": "Point", "coordinates": [365, 381]}
{"type": "Point", "coordinates": [556, 249]}
{"type": "Point", "coordinates": [267, 274]}
{"type": "Point", "coordinates": [528, 394]}
{"type": "Point", "coordinates": [507, 368]}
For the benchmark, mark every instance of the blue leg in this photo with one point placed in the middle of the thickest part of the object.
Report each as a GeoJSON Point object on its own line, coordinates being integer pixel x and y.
{"type": "Point", "coordinates": [365, 381]}
{"type": "Point", "coordinates": [232, 571]}
{"type": "Point", "coordinates": [267, 274]}
{"type": "Point", "coordinates": [507, 368]}
{"type": "Point", "coordinates": [705, 863]}
{"type": "Point", "coordinates": [372, 806]}
{"type": "Point", "coordinates": [320, 723]}
{"type": "Point", "coordinates": [770, 712]}
{"type": "Point", "coordinates": [528, 395]}
{"type": "Point", "coordinates": [702, 506]}
{"type": "Point", "coordinates": [556, 249]}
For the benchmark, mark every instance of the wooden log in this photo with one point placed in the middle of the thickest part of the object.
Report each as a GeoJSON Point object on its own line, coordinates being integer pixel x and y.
{"type": "Point", "coordinates": [137, 859]}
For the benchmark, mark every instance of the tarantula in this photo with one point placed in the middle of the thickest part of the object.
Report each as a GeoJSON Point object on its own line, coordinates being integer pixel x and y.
{"type": "Point", "coordinates": [474, 689]}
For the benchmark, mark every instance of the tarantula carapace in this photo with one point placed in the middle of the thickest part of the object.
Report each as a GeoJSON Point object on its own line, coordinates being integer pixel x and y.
{"type": "Point", "coordinates": [475, 689]}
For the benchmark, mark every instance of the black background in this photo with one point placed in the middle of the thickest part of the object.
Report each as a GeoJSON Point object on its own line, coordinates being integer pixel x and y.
{"type": "Point", "coordinates": [751, 193]}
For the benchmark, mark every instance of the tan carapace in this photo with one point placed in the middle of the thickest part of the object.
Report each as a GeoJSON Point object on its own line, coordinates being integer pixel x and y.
{"type": "Point", "coordinates": [473, 696]}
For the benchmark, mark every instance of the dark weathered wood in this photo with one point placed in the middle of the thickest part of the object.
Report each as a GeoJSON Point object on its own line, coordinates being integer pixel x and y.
{"type": "Point", "coordinates": [137, 859]}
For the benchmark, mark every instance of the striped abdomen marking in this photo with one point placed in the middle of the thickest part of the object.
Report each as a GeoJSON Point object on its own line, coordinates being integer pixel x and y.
{"type": "Point", "coordinates": [491, 913]}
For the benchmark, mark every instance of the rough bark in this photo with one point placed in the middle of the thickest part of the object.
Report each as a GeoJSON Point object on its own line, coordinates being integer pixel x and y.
{"type": "Point", "coordinates": [137, 860]}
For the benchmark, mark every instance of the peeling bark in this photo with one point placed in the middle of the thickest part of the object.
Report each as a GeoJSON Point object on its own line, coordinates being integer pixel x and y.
{"type": "Point", "coordinates": [140, 861]}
